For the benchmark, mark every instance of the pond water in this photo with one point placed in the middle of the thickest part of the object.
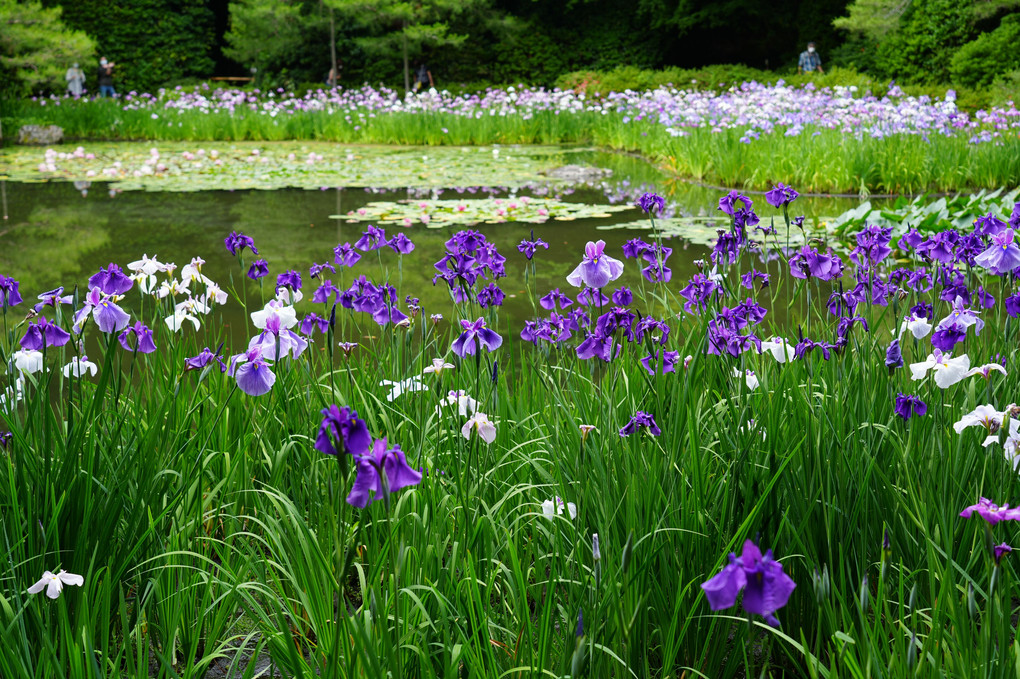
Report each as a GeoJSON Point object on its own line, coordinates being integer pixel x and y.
{"type": "Point", "coordinates": [58, 233]}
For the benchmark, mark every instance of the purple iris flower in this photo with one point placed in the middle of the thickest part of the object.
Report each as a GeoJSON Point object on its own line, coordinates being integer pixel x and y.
{"type": "Point", "coordinates": [324, 292]}
{"type": "Point", "coordinates": [808, 262]}
{"type": "Point", "coordinates": [381, 471]}
{"type": "Point", "coordinates": [940, 246]}
{"type": "Point", "coordinates": [43, 333]}
{"type": "Point", "coordinates": [9, 294]}
{"type": "Point", "coordinates": [315, 269]}
{"type": "Point", "coordinates": [1002, 255]}
{"type": "Point", "coordinates": [722, 338]}
{"type": "Point", "coordinates": [985, 298]}
{"type": "Point", "coordinates": [346, 255]}
{"type": "Point", "coordinates": [490, 296]}
{"type": "Point", "coordinates": [727, 202]}
{"type": "Point", "coordinates": [641, 419]}
{"type": "Point", "coordinates": [766, 587]}
{"type": "Point", "coordinates": [699, 292]}
{"type": "Point", "coordinates": [401, 244]}
{"type": "Point", "coordinates": [53, 298]}
{"type": "Point", "coordinates": [623, 297]}
{"type": "Point", "coordinates": [744, 218]}
{"type": "Point", "coordinates": [1013, 306]}
{"type": "Point", "coordinates": [1014, 218]}
{"type": "Point", "coordinates": [254, 376]}
{"type": "Point", "coordinates": [989, 225]}
{"type": "Point", "coordinates": [908, 406]}
{"type": "Point", "coordinates": [596, 345]}
{"type": "Point", "coordinates": [657, 271]}
{"type": "Point", "coordinates": [111, 280]}
{"type": "Point", "coordinates": [341, 431]}
{"type": "Point", "coordinates": [651, 202]}
{"type": "Point", "coordinates": [143, 338]}
{"type": "Point", "coordinates": [314, 321]}
{"type": "Point", "coordinates": [635, 247]}
{"type": "Point", "coordinates": [528, 247]}
{"type": "Point", "coordinates": [948, 336]}
{"type": "Point", "coordinates": [991, 512]}
{"type": "Point", "coordinates": [236, 242]}
{"type": "Point", "coordinates": [108, 316]}
{"type": "Point", "coordinates": [203, 359]}
{"type": "Point", "coordinates": [781, 195]}
{"type": "Point", "coordinates": [872, 246]}
{"type": "Point", "coordinates": [372, 239]}
{"type": "Point", "coordinates": [554, 297]}
{"type": "Point", "coordinates": [999, 551]}
{"type": "Point", "coordinates": [597, 269]}
{"type": "Point", "coordinates": [258, 269]}
{"type": "Point", "coordinates": [910, 240]}
{"type": "Point", "coordinates": [592, 297]}
{"type": "Point", "coordinates": [747, 279]}
{"type": "Point", "coordinates": [893, 356]}
{"type": "Point", "coordinates": [806, 346]}
{"type": "Point", "coordinates": [289, 279]}
{"type": "Point", "coordinates": [669, 361]}
{"type": "Point", "coordinates": [465, 344]}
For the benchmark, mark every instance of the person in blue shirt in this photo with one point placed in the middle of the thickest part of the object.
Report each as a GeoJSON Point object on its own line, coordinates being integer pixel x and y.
{"type": "Point", "coordinates": [809, 61]}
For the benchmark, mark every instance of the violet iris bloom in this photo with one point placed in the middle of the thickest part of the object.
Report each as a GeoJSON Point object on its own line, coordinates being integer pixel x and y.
{"type": "Point", "coordinates": [258, 269]}
{"type": "Point", "coordinates": [345, 255]}
{"type": "Point", "coordinates": [315, 269]}
{"type": "Point", "coordinates": [111, 280]}
{"type": "Point", "coordinates": [1013, 305]}
{"type": "Point", "coordinates": [727, 202]}
{"type": "Point", "coordinates": [325, 291]}
{"type": "Point", "coordinates": [669, 361]}
{"type": "Point", "coordinates": [203, 359]}
{"type": "Point", "coordinates": [893, 356]}
{"type": "Point", "coordinates": [465, 344]}
{"type": "Point", "coordinates": [381, 471]}
{"type": "Point", "coordinates": [43, 333]}
{"type": "Point", "coordinates": [908, 406]}
{"type": "Point", "coordinates": [108, 316]}
{"type": "Point", "coordinates": [143, 338]}
{"type": "Point", "coordinates": [781, 195]}
{"type": "Point", "coordinates": [289, 279]}
{"type": "Point", "coordinates": [554, 297]}
{"type": "Point", "coordinates": [910, 240]}
{"type": "Point", "coordinates": [53, 298]}
{"type": "Point", "coordinates": [342, 431]}
{"type": "Point", "coordinates": [490, 296]}
{"type": "Point", "coordinates": [1002, 256]}
{"type": "Point", "coordinates": [635, 247]}
{"type": "Point", "coordinates": [808, 262]}
{"type": "Point", "coordinates": [946, 337]}
{"type": "Point", "coordinates": [372, 239]}
{"type": "Point", "coordinates": [314, 321]}
{"type": "Point", "coordinates": [592, 297]}
{"type": "Point", "coordinates": [766, 587]}
{"type": "Point", "coordinates": [651, 202]}
{"type": "Point", "coordinates": [528, 247]}
{"type": "Point", "coordinates": [9, 293]}
{"type": "Point", "coordinates": [999, 551]}
{"type": "Point", "coordinates": [623, 297]}
{"type": "Point", "coordinates": [236, 242]}
{"type": "Point", "coordinates": [597, 269]}
{"type": "Point", "coordinates": [401, 244]}
{"type": "Point", "coordinates": [253, 374]}
{"type": "Point", "coordinates": [641, 419]}
{"type": "Point", "coordinates": [991, 512]}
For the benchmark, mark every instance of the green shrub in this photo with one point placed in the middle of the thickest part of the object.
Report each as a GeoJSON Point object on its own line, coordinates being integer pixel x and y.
{"type": "Point", "coordinates": [977, 63]}
{"type": "Point", "coordinates": [1006, 88]}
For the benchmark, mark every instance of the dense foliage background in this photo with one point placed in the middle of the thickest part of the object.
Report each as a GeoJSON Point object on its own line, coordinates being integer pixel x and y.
{"type": "Point", "coordinates": [964, 43]}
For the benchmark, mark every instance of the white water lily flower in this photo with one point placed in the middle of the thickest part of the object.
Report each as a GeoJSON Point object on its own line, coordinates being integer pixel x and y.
{"type": "Point", "coordinates": [948, 370]}
{"type": "Point", "coordinates": [556, 506]}
{"type": "Point", "coordinates": [80, 365]}
{"type": "Point", "coordinates": [779, 348]}
{"type": "Point", "coordinates": [985, 371]}
{"type": "Point", "coordinates": [983, 416]}
{"type": "Point", "coordinates": [480, 422]}
{"type": "Point", "coordinates": [411, 384]}
{"type": "Point", "coordinates": [275, 308]}
{"type": "Point", "coordinates": [55, 583]}
{"type": "Point", "coordinates": [437, 367]}
{"type": "Point", "coordinates": [749, 377]}
{"type": "Point", "coordinates": [465, 404]}
{"type": "Point", "coordinates": [918, 327]}
{"type": "Point", "coordinates": [28, 362]}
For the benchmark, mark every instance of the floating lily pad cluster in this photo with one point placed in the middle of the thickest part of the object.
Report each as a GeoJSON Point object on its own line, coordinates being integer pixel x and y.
{"type": "Point", "coordinates": [437, 213]}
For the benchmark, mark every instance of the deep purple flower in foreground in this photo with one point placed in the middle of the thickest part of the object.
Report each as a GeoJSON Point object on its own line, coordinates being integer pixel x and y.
{"type": "Point", "coordinates": [108, 316]}
{"type": "Point", "coordinates": [991, 512]}
{"type": "Point", "coordinates": [641, 419]}
{"type": "Point", "coordinates": [381, 471]}
{"type": "Point", "coordinates": [490, 296]}
{"type": "Point", "coordinates": [401, 244]}
{"type": "Point", "coordinates": [258, 269]}
{"type": "Point", "coordinates": [893, 356]}
{"type": "Point", "coordinates": [341, 431]}
{"type": "Point", "coordinates": [999, 551]}
{"type": "Point", "coordinates": [623, 297]}
{"type": "Point", "coordinates": [909, 406]}
{"type": "Point", "coordinates": [946, 337]}
{"type": "Point", "coordinates": [669, 361]}
{"type": "Point", "coordinates": [465, 344]}
{"type": "Point", "coordinates": [727, 202]}
{"type": "Point", "coordinates": [766, 587]}
{"type": "Point", "coordinates": [143, 338]}
{"type": "Point", "coordinates": [781, 195]}
{"type": "Point", "coordinates": [592, 297]}
{"type": "Point", "coordinates": [236, 242]}
{"type": "Point", "coordinates": [597, 269]}
{"type": "Point", "coordinates": [635, 247]}
{"type": "Point", "coordinates": [289, 279]}
{"type": "Point", "coordinates": [9, 293]}
{"type": "Point", "coordinates": [111, 280]}
{"type": "Point", "coordinates": [808, 262]}
{"type": "Point", "coordinates": [345, 255]}
{"type": "Point", "coordinates": [53, 298]}
{"type": "Point", "coordinates": [1002, 256]}
{"type": "Point", "coordinates": [651, 202]}
{"type": "Point", "coordinates": [325, 291]}
{"type": "Point", "coordinates": [43, 333]}
{"type": "Point", "coordinates": [254, 376]}
{"type": "Point", "coordinates": [203, 359]}
{"type": "Point", "coordinates": [528, 247]}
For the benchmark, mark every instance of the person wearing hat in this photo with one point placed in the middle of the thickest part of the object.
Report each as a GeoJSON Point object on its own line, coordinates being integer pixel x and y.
{"type": "Point", "coordinates": [106, 78]}
{"type": "Point", "coordinates": [75, 78]}
{"type": "Point", "coordinates": [809, 61]}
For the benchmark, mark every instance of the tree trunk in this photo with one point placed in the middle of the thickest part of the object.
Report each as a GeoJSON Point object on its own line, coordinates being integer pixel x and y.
{"type": "Point", "coordinates": [332, 48]}
{"type": "Point", "coordinates": [407, 70]}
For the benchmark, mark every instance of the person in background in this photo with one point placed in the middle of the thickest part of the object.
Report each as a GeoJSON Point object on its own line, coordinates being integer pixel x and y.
{"type": "Point", "coordinates": [421, 74]}
{"type": "Point", "coordinates": [809, 61]}
{"type": "Point", "coordinates": [106, 78]}
{"type": "Point", "coordinates": [75, 78]}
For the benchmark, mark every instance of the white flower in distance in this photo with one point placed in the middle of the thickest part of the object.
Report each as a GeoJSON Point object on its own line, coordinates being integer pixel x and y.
{"type": "Point", "coordinates": [192, 272]}
{"type": "Point", "coordinates": [749, 377]}
{"type": "Point", "coordinates": [55, 583]}
{"type": "Point", "coordinates": [779, 348]}
{"type": "Point", "coordinates": [172, 288]}
{"type": "Point", "coordinates": [437, 367]}
{"type": "Point", "coordinates": [146, 266]}
{"type": "Point", "coordinates": [28, 362]}
{"type": "Point", "coordinates": [916, 326]}
{"type": "Point", "coordinates": [287, 296]}
{"type": "Point", "coordinates": [556, 506]}
{"type": "Point", "coordinates": [410, 385]}
{"type": "Point", "coordinates": [948, 370]}
{"type": "Point", "coordinates": [465, 404]}
{"type": "Point", "coordinates": [986, 370]}
{"type": "Point", "coordinates": [480, 422]}
{"type": "Point", "coordinates": [13, 394]}
{"type": "Point", "coordinates": [79, 366]}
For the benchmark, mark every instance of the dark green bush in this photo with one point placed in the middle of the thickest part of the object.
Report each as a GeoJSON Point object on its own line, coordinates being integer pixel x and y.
{"type": "Point", "coordinates": [977, 63]}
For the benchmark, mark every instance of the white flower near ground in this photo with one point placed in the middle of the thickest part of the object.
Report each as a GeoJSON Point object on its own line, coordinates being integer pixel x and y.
{"type": "Point", "coordinates": [28, 362]}
{"type": "Point", "coordinates": [749, 377]}
{"type": "Point", "coordinates": [480, 422]}
{"type": "Point", "coordinates": [983, 416]}
{"type": "Point", "coordinates": [79, 366]}
{"type": "Point", "coordinates": [437, 367]}
{"type": "Point", "coordinates": [13, 394]}
{"type": "Point", "coordinates": [948, 370]}
{"type": "Point", "coordinates": [466, 405]}
{"type": "Point", "coordinates": [779, 348]}
{"type": "Point", "coordinates": [410, 385]}
{"type": "Point", "coordinates": [175, 322]}
{"type": "Point", "coordinates": [918, 327]}
{"type": "Point", "coordinates": [55, 583]}
{"type": "Point", "coordinates": [556, 506]}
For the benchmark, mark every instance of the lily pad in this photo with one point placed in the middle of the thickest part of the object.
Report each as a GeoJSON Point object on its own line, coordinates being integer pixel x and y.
{"type": "Point", "coordinates": [440, 213]}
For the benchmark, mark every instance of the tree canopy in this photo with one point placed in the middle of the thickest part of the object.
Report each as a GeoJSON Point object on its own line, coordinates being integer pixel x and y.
{"type": "Point", "coordinates": [36, 48]}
